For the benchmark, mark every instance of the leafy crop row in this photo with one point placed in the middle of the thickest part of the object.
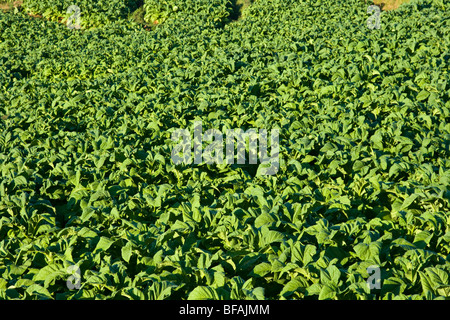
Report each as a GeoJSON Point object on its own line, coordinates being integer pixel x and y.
{"type": "Point", "coordinates": [364, 122]}
{"type": "Point", "coordinates": [212, 11]}
{"type": "Point", "coordinates": [94, 13]}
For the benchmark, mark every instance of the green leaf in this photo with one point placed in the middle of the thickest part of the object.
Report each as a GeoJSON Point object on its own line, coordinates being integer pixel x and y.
{"type": "Point", "coordinates": [437, 279]}
{"type": "Point", "coordinates": [127, 251]}
{"type": "Point", "coordinates": [49, 273]}
{"type": "Point", "coordinates": [422, 95]}
{"type": "Point", "coordinates": [393, 285]}
{"type": "Point", "coordinates": [17, 270]}
{"type": "Point", "coordinates": [203, 293]}
{"type": "Point", "coordinates": [37, 290]}
{"type": "Point", "coordinates": [20, 180]}
{"type": "Point", "coordinates": [327, 292]}
{"type": "Point", "coordinates": [408, 201]}
{"type": "Point", "coordinates": [422, 239]}
{"type": "Point", "coordinates": [161, 290]}
{"type": "Point", "coordinates": [272, 236]}
{"type": "Point", "coordinates": [330, 276]}
{"type": "Point", "coordinates": [314, 289]}
{"type": "Point", "coordinates": [303, 254]}
{"type": "Point", "coordinates": [377, 140]}
{"type": "Point", "coordinates": [362, 251]}
{"type": "Point", "coordinates": [258, 293]}
{"type": "Point", "coordinates": [263, 219]}
{"type": "Point", "coordinates": [103, 244]}
{"type": "Point", "coordinates": [3, 284]}
{"type": "Point", "coordinates": [403, 243]}
{"type": "Point", "coordinates": [292, 286]}
{"type": "Point", "coordinates": [262, 269]}
{"type": "Point", "coordinates": [133, 293]}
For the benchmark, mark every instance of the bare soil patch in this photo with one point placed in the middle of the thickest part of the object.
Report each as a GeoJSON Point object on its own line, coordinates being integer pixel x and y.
{"type": "Point", "coordinates": [387, 5]}
{"type": "Point", "coordinates": [10, 5]}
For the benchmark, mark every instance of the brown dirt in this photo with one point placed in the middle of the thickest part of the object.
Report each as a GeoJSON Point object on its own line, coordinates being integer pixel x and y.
{"type": "Point", "coordinates": [387, 5]}
{"type": "Point", "coordinates": [9, 5]}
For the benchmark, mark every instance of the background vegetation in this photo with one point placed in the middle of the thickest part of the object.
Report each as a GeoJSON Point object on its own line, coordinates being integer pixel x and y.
{"type": "Point", "coordinates": [85, 151]}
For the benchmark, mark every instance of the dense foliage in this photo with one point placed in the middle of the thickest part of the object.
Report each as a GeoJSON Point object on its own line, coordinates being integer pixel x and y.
{"type": "Point", "coordinates": [94, 13]}
{"type": "Point", "coordinates": [364, 117]}
{"type": "Point", "coordinates": [203, 12]}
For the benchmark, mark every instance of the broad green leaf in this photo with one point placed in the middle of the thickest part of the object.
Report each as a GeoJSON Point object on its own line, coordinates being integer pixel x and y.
{"type": "Point", "coordinates": [422, 239]}
{"type": "Point", "coordinates": [330, 276]}
{"type": "Point", "coordinates": [203, 293]}
{"type": "Point", "coordinates": [292, 286]}
{"type": "Point", "coordinates": [50, 273]}
{"type": "Point", "coordinates": [422, 95]}
{"type": "Point", "coordinates": [133, 293]}
{"type": "Point", "coordinates": [436, 281]}
{"type": "Point", "coordinates": [327, 292]}
{"type": "Point", "coordinates": [362, 250]}
{"type": "Point", "coordinates": [127, 251]}
{"type": "Point", "coordinates": [408, 201]}
{"type": "Point", "coordinates": [272, 236]}
{"type": "Point", "coordinates": [262, 269]}
{"type": "Point", "coordinates": [264, 219]}
{"type": "Point", "coordinates": [303, 254]}
{"type": "Point", "coordinates": [103, 244]}
{"type": "Point", "coordinates": [37, 290]}
{"type": "Point", "coordinates": [259, 293]}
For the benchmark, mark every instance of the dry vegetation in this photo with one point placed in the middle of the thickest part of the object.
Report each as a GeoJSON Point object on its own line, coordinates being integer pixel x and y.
{"type": "Point", "coordinates": [389, 4]}
{"type": "Point", "coordinates": [9, 5]}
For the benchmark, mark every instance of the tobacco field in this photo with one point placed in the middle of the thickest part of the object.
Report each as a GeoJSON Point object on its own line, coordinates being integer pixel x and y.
{"type": "Point", "coordinates": [93, 207]}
